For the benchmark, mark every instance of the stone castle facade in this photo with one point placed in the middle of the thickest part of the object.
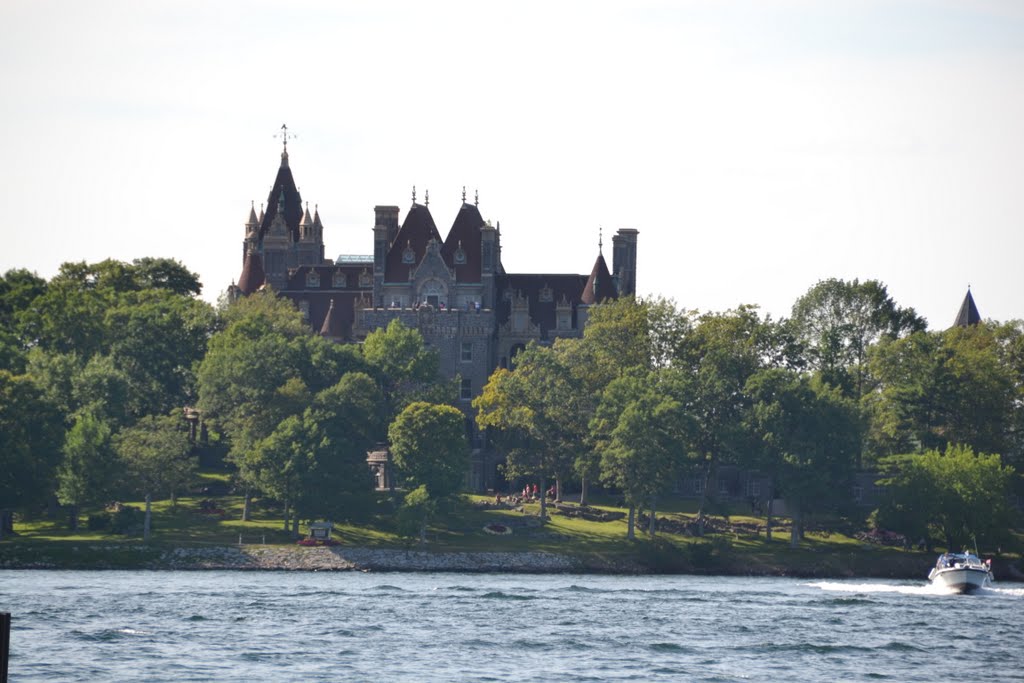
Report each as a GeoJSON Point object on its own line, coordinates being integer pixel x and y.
{"type": "Point", "coordinates": [453, 289]}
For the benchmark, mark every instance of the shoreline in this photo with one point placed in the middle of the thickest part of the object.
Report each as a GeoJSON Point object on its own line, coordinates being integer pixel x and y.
{"type": "Point", "coordinates": [257, 558]}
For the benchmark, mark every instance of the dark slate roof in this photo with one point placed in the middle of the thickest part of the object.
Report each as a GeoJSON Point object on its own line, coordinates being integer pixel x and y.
{"type": "Point", "coordinates": [292, 201]}
{"type": "Point", "coordinates": [464, 234]}
{"type": "Point", "coordinates": [599, 285]}
{"type": "Point", "coordinates": [252, 277]}
{"type": "Point", "coordinates": [968, 314]}
{"type": "Point", "coordinates": [334, 327]}
{"type": "Point", "coordinates": [417, 230]}
{"type": "Point", "coordinates": [542, 313]}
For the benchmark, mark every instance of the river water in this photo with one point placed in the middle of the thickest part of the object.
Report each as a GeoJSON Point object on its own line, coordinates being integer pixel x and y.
{"type": "Point", "coordinates": [345, 626]}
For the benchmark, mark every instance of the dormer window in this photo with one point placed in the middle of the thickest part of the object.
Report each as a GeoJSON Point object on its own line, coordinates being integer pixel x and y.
{"type": "Point", "coordinates": [460, 254]}
{"type": "Point", "coordinates": [546, 295]}
{"type": "Point", "coordinates": [339, 281]}
{"type": "Point", "coordinates": [408, 256]}
{"type": "Point", "coordinates": [312, 279]}
{"type": "Point", "coordinates": [304, 309]}
{"type": "Point", "coordinates": [365, 279]}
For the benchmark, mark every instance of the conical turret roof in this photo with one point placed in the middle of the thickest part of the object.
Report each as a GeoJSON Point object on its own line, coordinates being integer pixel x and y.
{"type": "Point", "coordinates": [599, 285]}
{"type": "Point", "coordinates": [968, 314]}
{"type": "Point", "coordinates": [333, 327]}
{"type": "Point", "coordinates": [252, 277]}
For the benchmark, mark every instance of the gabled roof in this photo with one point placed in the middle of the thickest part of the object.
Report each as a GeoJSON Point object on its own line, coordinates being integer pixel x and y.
{"type": "Point", "coordinates": [465, 235]}
{"type": "Point", "coordinates": [968, 314]}
{"type": "Point", "coordinates": [599, 285]}
{"type": "Point", "coordinates": [284, 183]}
{"type": "Point", "coordinates": [417, 230]}
{"type": "Point", "coordinates": [252, 277]}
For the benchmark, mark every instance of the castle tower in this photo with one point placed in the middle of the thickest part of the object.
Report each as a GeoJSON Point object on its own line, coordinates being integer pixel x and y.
{"type": "Point", "coordinates": [624, 261]}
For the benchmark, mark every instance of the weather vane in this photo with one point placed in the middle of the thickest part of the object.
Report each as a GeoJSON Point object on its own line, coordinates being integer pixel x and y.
{"type": "Point", "coordinates": [284, 135]}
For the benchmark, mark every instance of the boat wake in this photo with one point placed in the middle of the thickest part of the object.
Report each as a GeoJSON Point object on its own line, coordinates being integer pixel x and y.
{"type": "Point", "coordinates": [909, 589]}
{"type": "Point", "coordinates": [903, 589]}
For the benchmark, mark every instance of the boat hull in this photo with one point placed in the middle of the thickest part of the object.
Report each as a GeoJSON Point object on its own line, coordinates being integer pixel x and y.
{"type": "Point", "coordinates": [962, 579]}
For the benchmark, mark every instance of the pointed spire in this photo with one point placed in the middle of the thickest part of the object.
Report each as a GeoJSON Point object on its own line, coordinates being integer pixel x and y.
{"type": "Point", "coordinates": [316, 215]}
{"type": "Point", "coordinates": [253, 220]}
{"type": "Point", "coordinates": [332, 327]}
{"type": "Point", "coordinates": [284, 138]}
{"type": "Point", "coordinates": [306, 218]}
{"type": "Point", "coordinates": [261, 213]}
{"type": "Point", "coordinates": [968, 314]}
{"type": "Point", "coordinates": [600, 240]}
{"type": "Point", "coordinates": [280, 202]}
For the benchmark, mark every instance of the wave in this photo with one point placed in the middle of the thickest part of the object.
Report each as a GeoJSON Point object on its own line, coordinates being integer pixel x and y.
{"type": "Point", "coordinates": [499, 595]}
{"type": "Point", "coordinates": [902, 589]}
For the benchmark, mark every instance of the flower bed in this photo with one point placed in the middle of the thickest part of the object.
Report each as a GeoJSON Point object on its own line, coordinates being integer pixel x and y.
{"type": "Point", "coordinates": [498, 529]}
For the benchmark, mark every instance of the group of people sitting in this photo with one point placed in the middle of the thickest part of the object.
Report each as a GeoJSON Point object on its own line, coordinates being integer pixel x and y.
{"type": "Point", "coordinates": [529, 494]}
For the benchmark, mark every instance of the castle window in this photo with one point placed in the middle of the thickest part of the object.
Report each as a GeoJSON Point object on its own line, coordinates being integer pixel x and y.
{"type": "Point", "coordinates": [312, 279]}
{"type": "Point", "coordinates": [339, 280]}
{"type": "Point", "coordinates": [546, 296]}
{"type": "Point", "coordinates": [698, 485]}
{"type": "Point", "coordinates": [408, 256]}
{"type": "Point", "coordinates": [467, 352]}
{"type": "Point", "coordinates": [460, 255]}
{"type": "Point", "coordinates": [304, 309]}
{"type": "Point", "coordinates": [365, 279]}
{"type": "Point", "coordinates": [466, 390]}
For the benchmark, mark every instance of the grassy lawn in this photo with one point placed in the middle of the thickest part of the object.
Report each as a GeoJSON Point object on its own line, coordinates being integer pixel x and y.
{"type": "Point", "coordinates": [734, 545]}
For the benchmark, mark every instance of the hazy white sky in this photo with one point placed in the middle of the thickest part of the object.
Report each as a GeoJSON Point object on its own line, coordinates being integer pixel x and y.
{"type": "Point", "coordinates": [757, 146]}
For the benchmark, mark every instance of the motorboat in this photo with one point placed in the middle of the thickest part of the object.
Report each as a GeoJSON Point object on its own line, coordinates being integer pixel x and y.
{"type": "Point", "coordinates": [961, 572]}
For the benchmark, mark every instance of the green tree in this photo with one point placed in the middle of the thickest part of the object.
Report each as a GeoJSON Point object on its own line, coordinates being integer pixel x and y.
{"type": "Point", "coordinates": [407, 369]}
{"type": "Point", "coordinates": [343, 423]}
{"type": "Point", "coordinates": [430, 452]}
{"type": "Point", "coordinates": [158, 456]}
{"type": "Point", "coordinates": [935, 388]}
{"type": "Point", "coordinates": [839, 320]}
{"type": "Point", "coordinates": [31, 432]}
{"type": "Point", "coordinates": [89, 472]}
{"type": "Point", "coordinates": [641, 453]}
{"type": "Point", "coordinates": [252, 376]}
{"type": "Point", "coordinates": [960, 495]}
{"type": "Point", "coordinates": [429, 448]}
{"type": "Point", "coordinates": [806, 438]}
{"type": "Point", "coordinates": [720, 354]}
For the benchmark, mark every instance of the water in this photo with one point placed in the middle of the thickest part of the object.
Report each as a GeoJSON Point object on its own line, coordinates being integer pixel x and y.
{"type": "Point", "coordinates": [277, 626]}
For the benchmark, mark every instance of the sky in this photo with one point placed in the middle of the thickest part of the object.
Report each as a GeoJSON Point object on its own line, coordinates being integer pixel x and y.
{"type": "Point", "coordinates": [758, 147]}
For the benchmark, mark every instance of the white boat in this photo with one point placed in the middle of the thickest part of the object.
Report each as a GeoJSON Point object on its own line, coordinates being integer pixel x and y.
{"type": "Point", "coordinates": [961, 572]}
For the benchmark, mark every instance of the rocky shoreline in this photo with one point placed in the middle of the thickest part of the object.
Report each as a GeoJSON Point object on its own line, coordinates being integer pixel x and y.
{"type": "Point", "coordinates": [297, 558]}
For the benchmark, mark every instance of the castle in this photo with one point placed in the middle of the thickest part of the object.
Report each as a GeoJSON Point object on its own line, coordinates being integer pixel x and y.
{"type": "Point", "coordinates": [454, 290]}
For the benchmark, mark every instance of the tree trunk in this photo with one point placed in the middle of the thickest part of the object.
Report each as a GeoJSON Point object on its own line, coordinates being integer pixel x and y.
{"type": "Point", "coordinates": [794, 535]}
{"type": "Point", "coordinates": [52, 507]}
{"type": "Point", "coordinates": [703, 499]}
{"type": "Point", "coordinates": [295, 525]}
{"type": "Point", "coordinates": [652, 526]}
{"type": "Point", "coordinates": [583, 491]}
{"type": "Point", "coordinates": [148, 518]}
{"type": "Point", "coordinates": [768, 521]}
{"type": "Point", "coordinates": [247, 506]}
{"type": "Point", "coordinates": [73, 517]}
{"type": "Point", "coordinates": [630, 533]}
{"type": "Point", "coordinates": [286, 515]}
{"type": "Point", "coordinates": [543, 500]}
{"type": "Point", "coordinates": [174, 502]}
{"type": "Point", "coordinates": [558, 489]}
